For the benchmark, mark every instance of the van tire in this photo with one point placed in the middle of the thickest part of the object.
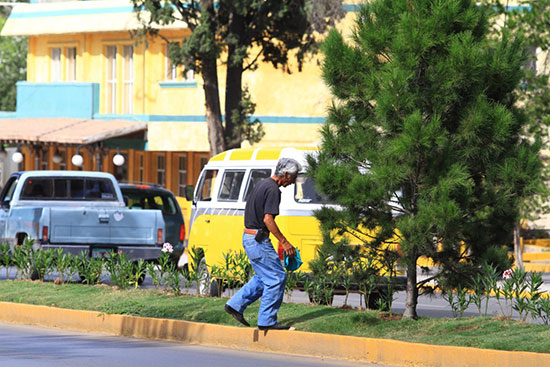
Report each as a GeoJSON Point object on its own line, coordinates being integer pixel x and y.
{"type": "Point", "coordinates": [216, 287]}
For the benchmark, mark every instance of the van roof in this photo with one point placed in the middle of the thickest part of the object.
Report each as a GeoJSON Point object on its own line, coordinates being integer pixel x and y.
{"type": "Point", "coordinates": [262, 154]}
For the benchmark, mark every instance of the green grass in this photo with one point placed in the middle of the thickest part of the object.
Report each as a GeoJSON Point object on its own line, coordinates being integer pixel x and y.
{"type": "Point", "coordinates": [489, 333]}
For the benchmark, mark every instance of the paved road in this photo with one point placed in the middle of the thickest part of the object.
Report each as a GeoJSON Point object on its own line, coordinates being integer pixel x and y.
{"type": "Point", "coordinates": [30, 346]}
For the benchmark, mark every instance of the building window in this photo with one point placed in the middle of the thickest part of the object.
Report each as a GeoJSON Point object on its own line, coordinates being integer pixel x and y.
{"type": "Point", "coordinates": [44, 163]}
{"type": "Point", "coordinates": [70, 63]}
{"type": "Point", "coordinates": [161, 170]}
{"type": "Point", "coordinates": [63, 162]}
{"type": "Point", "coordinates": [182, 175]}
{"type": "Point", "coordinates": [128, 78]}
{"type": "Point", "coordinates": [56, 65]}
{"type": "Point", "coordinates": [110, 91]}
{"type": "Point", "coordinates": [173, 72]}
{"type": "Point", "coordinates": [171, 69]}
{"type": "Point", "coordinates": [140, 168]}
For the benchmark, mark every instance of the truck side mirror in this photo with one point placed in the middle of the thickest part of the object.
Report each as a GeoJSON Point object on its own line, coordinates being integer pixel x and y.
{"type": "Point", "coordinates": [126, 200]}
{"type": "Point", "coordinates": [189, 191]}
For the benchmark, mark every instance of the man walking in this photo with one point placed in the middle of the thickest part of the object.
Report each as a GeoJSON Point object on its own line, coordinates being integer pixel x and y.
{"type": "Point", "coordinates": [259, 219]}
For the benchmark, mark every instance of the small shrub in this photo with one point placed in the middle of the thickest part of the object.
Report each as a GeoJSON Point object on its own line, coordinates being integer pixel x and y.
{"type": "Point", "coordinates": [41, 263]}
{"type": "Point", "coordinates": [6, 258]}
{"type": "Point", "coordinates": [457, 298]}
{"type": "Point", "coordinates": [120, 268]}
{"type": "Point", "coordinates": [174, 279]}
{"type": "Point", "coordinates": [21, 257]}
{"type": "Point", "coordinates": [62, 263]}
{"type": "Point", "coordinates": [88, 268]}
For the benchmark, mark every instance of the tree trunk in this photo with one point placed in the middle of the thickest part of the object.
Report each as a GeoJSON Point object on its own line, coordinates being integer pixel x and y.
{"type": "Point", "coordinates": [233, 96]}
{"type": "Point", "coordinates": [211, 91]}
{"type": "Point", "coordinates": [412, 290]}
{"type": "Point", "coordinates": [233, 86]}
{"type": "Point", "coordinates": [517, 247]}
{"type": "Point", "coordinates": [213, 110]}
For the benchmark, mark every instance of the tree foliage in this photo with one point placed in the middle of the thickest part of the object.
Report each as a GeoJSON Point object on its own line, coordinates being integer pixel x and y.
{"type": "Point", "coordinates": [424, 141]}
{"type": "Point", "coordinates": [530, 19]}
{"type": "Point", "coordinates": [13, 66]}
{"type": "Point", "coordinates": [243, 33]}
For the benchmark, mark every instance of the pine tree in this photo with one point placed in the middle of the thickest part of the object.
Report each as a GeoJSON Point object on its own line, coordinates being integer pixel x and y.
{"type": "Point", "coordinates": [423, 141]}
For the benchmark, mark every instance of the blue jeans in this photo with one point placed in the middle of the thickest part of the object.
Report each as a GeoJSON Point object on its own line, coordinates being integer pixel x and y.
{"type": "Point", "coordinates": [268, 283]}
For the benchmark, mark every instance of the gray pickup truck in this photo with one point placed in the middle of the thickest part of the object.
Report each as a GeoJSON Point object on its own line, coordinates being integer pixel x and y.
{"type": "Point", "coordinates": [77, 211]}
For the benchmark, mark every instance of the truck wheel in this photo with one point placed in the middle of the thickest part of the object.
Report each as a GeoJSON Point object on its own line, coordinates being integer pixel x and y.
{"type": "Point", "coordinates": [373, 301]}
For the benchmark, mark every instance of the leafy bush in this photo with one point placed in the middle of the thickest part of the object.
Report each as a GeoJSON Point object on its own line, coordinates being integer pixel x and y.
{"type": "Point", "coordinates": [120, 269]}
{"type": "Point", "coordinates": [6, 258]}
{"type": "Point", "coordinates": [88, 268]}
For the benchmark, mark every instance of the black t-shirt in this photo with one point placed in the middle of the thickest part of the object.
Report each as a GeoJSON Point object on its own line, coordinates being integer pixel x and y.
{"type": "Point", "coordinates": [264, 199]}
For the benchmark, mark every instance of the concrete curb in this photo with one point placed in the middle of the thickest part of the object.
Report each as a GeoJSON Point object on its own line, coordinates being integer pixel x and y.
{"type": "Point", "coordinates": [390, 352]}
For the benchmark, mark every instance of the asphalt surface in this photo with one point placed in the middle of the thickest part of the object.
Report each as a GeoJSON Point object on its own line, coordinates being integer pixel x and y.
{"type": "Point", "coordinates": [30, 346]}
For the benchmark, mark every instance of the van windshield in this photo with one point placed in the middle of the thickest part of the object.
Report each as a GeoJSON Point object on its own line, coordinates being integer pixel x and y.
{"type": "Point", "coordinates": [305, 193]}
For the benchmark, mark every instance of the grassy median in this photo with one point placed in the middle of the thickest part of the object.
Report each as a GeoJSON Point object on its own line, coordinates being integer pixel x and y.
{"type": "Point", "coordinates": [489, 333]}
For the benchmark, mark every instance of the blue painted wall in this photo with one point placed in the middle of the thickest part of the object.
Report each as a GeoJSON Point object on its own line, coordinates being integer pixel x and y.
{"type": "Point", "coordinates": [70, 99]}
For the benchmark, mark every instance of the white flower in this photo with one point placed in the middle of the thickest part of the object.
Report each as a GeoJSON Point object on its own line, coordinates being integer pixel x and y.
{"type": "Point", "coordinates": [167, 247]}
{"type": "Point", "coordinates": [507, 274]}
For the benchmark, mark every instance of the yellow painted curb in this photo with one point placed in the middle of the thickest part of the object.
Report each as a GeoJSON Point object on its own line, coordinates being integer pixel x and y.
{"type": "Point", "coordinates": [381, 351]}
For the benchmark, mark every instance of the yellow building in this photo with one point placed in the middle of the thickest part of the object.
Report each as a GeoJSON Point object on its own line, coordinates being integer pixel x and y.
{"type": "Point", "coordinates": [84, 66]}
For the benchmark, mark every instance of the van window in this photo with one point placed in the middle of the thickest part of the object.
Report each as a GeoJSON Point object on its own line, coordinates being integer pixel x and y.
{"type": "Point", "coordinates": [206, 186]}
{"type": "Point", "coordinates": [256, 175]}
{"type": "Point", "coordinates": [304, 191]}
{"type": "Point", "coordinates": [231, 185]}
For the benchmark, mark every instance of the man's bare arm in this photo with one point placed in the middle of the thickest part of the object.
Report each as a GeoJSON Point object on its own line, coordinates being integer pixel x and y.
{"type": "Point", "coordinates": [273, 228]}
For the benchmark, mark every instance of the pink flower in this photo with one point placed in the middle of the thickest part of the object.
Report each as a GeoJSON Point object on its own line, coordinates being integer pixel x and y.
{"type": "Point", "coordinates": [507, 274]}
{"type": "Point", "coordinates": [167, 247]}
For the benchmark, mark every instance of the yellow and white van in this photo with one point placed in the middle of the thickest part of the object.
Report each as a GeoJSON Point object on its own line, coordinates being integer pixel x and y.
{"type": "Point", "coordinates": [217, 213]}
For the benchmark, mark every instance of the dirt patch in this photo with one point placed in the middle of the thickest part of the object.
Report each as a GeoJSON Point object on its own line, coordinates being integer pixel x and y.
{"type": "Point", "coordinates": [502, 318]}
{"type": "Point", "coordinates": [386, 316]}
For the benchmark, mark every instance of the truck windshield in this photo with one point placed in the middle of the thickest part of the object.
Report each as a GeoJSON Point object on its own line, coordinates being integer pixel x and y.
{"type": "Point", "coordinates": [7, 193]}
{"type": "Point", "coordinates": [147, 200]}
